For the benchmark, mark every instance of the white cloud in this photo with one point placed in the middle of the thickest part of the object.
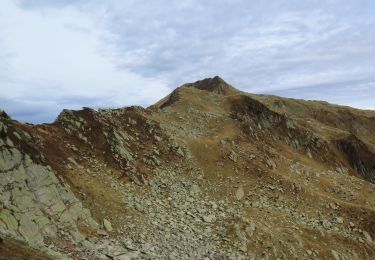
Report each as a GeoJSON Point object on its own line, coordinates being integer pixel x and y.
{"type": "Point", "coordinates": [59, 54]}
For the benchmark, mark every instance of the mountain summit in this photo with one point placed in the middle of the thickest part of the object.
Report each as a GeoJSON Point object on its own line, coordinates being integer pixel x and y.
{"type": "Point", "coordinates": [215, 84]}
{"type": "Point", "coordinates": [208, 172]}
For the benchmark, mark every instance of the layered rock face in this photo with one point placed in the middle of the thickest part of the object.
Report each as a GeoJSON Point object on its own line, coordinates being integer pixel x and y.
{"type": "Point", "coordinates": [209, 172]}
{"type": "Point", "coordinates": [38, 207]}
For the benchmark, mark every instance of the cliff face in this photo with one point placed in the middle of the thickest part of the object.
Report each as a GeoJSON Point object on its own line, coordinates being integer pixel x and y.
{"type": "Point", "coordinates": [208, 171]}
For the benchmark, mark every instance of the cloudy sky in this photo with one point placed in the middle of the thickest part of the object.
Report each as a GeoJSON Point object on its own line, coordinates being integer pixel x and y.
{"type": "Point", "coordinates": [58, 54]}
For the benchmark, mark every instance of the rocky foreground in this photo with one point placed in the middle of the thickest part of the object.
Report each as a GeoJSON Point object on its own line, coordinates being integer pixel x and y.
{"type": "Point", "coordinates": [209, 172]}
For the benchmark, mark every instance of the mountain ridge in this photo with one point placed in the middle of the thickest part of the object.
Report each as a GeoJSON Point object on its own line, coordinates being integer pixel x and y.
{"type": "Point", "coordinates": [209, 171]}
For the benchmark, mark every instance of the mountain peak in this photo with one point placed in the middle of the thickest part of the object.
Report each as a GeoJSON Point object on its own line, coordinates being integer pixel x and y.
{"type": "Point", "coordinates": [215, 84]}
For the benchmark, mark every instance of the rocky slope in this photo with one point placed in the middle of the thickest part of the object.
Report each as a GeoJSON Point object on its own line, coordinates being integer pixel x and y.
{"type": "Point", "coordinates": [208, 172]}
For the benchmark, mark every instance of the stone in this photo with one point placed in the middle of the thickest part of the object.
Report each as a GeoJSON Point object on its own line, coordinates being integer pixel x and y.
{"type": "Point", "coordinates": [76, 236]}
{"type": "Point", "coordinates": [117, 141]}
{"type": "Point", "coordinates": [326, 224]}
{"type": "Point", "coordinates": [334, 206]}
{"type": "Point", "coordinates": [139, 208]}
{"type": "Point", "coordinates": [233, 156]}
{"type": "Point", "coordinates": [9, 158]}
{"type": "Point", "coordinates": [240, 193]}
{"type": "Point", "coordinates": [128, 244]}
{"type": "Point", "coordinates": [48, 195]}
{"type": "Point", "coordinates": [3, 127]}
{"type": "Point", "coordinates": [209, 218]}
{"type": "Point", "coordinates": [114, 251]}
{"type": "Point", "coordinates": [290, 124]}
{"type": "Point", "coordinates": [107, 225]}
{"type": "Point", "coordinates": [271, 164]}
{"type": "Point", "coordinates": [75, 211]}
{"type": "Point", "coordinates": [335, 254]}
{"type": "Point", "coordinates": [89, 221]}
{"type": "Point", "coordinates": [22, 198]}
{"type": "Point", "coordinates": [17, 135]}
{"type": "Point", "coordinates": [40, 176]}
{"type": "Point", "coordinates": [46, 227]}
{"type": "Point", "coordinates": [5, 198]}
{"type": "Point", "coordinates": [19, 175]}
{"type": "Point", "coordinates": [339, 220]}
{"type": "Point", "coordinates": [239, 233]}
{"type": "Point", "coordinates": [57, 208]}
{"type": "Point", "coordinates": [101, 232]}
{"type": "Point", "coordinates": [30, 230]}
{"type": "Point", "coordinates": [74, 162]}
{"type": "Point", "coordinates": [195, 189]}
{"type": "Point", "coordinates": [180, 152]}
{"type": "Point", "coordinates": [122, 257]}
{"type": "Point", "coordinates": [66, 219]}
{"type": "Point", "coordinates": [255, 204]}
{"type": "Point", "coordinates": [250, 228]}
{"type": "Point", "coordinates": [367, 236]}
{"type": "Point", "coordinates": [9, 220]}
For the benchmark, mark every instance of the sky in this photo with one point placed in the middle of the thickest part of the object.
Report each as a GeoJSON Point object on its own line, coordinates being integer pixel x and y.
{"type": "Point", "coordinates": [57, 54]}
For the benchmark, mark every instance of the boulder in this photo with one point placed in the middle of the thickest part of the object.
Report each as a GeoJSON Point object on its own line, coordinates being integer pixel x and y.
{"type": "Point", "coordinates": [209, 218]}
{"type": "Point", "coordinates": [107, 225]}
{"type": "Point", "coordinates": [240, 193]}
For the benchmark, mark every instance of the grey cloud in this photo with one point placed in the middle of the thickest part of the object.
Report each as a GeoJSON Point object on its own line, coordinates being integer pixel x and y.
{"type": "Point", "coordinates": [35, 4]}
{"type": "Point", "coordinates": [306, 49]}
{"type": "Point", "coordinates": [246, 43]}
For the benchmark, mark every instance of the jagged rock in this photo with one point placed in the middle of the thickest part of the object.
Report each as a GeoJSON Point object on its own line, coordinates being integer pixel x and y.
{"type": "Point", "coordinates": [118, 143]}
